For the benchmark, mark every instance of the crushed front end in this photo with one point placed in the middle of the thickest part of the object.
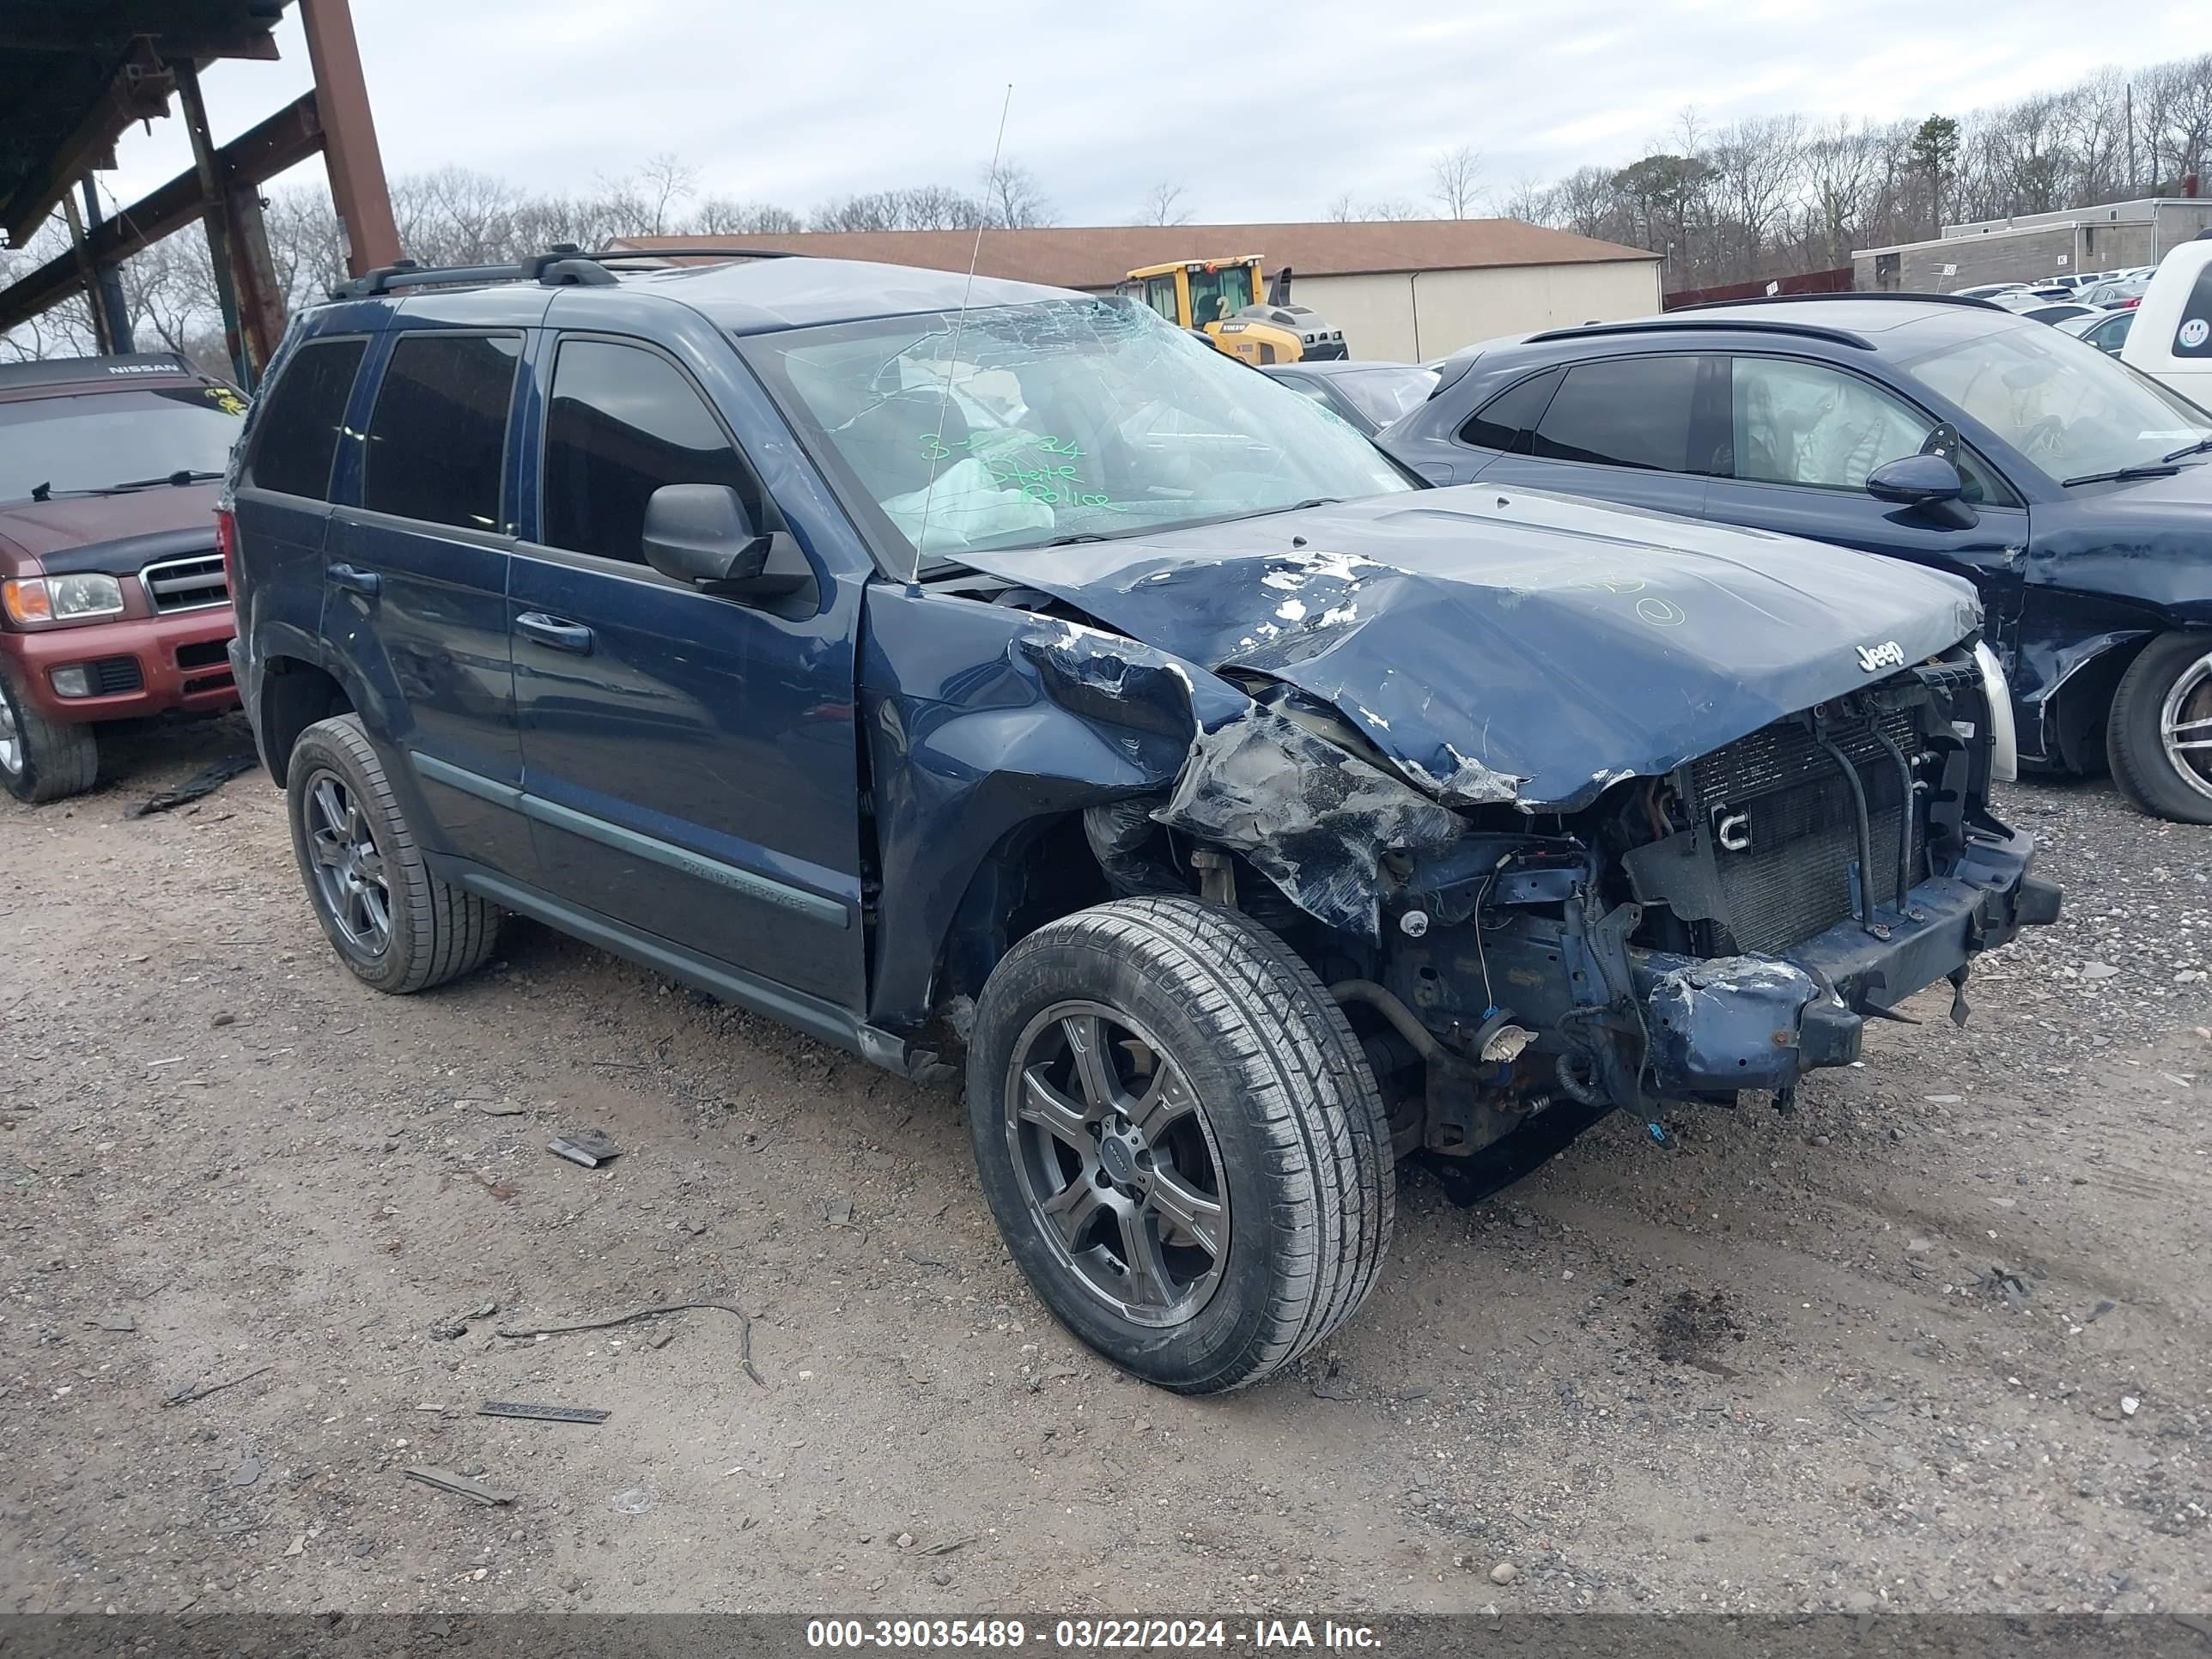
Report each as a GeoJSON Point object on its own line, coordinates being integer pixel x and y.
{"type": "Point", "coordinates": [1728, 926]}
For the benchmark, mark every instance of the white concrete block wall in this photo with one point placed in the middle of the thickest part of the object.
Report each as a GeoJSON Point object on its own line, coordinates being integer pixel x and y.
{"type": "Point", "coordinates": [1413, 317]}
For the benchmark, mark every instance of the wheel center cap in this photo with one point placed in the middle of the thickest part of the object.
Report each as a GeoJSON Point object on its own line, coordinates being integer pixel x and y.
{"type": "Point", "coordinates": [1121, 1163]}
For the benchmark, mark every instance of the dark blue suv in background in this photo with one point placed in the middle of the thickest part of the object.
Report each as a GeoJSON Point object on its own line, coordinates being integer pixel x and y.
{"type": "Point", "coordinates": [987, 672]}
{"type": "Point", "coordinates": [2073, 493]}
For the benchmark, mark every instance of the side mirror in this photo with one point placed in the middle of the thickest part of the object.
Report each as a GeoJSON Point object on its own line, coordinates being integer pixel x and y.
{"type": "Point", "coordinates": [1931, 482]}
{"type": "Point", "coordinates": [1916, 481]}
{"type": "Point", "coordinates": [702, 533]}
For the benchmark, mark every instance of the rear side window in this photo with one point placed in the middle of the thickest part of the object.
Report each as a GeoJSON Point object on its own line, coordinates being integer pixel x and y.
{"type": "Point", "coordinates": [439, 433]}
{"type": "Point", "coordinates": [1623, 412]}
{"type": "Point", "coordinates": [624, 421]}
{"type": "Point", "coordinates": [1509, 421]}
{"type": "Point", "coordinates": [296, 431]}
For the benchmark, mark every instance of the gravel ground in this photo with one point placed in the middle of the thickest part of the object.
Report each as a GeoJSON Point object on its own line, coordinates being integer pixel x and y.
{"type": "Point", "coordinates": [1938, 1340]}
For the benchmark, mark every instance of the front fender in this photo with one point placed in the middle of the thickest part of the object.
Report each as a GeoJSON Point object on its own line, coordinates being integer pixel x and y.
{"type": "Point", "coordinates": [982, 719]}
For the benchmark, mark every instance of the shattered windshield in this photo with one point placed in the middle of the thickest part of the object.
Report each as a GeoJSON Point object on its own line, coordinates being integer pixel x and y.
{"type": "Point", "coordinates": [1021, 425]}
{"type": "Point", "coordinates": [2069, 407]}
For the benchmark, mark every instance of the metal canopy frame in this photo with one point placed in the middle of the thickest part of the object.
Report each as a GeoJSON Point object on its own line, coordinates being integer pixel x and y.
{"type": "Point", "coordinates": [81, 71]}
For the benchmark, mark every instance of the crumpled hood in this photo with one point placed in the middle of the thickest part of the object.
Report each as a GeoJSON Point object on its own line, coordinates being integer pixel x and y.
{"type": "Point", "coordinates": [1510, 644]}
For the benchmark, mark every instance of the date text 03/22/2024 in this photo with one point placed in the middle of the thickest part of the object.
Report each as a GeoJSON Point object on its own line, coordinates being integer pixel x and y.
{"type": "Point", "coordinates": [1104, 1634]}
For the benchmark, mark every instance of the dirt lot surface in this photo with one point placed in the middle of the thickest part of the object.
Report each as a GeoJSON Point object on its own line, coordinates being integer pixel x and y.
{"type": "Point", "coordinates": [1939, 1341]}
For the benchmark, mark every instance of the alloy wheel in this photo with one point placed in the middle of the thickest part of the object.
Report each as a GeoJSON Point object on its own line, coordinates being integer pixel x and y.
{"type": "Point", "coordinates": [2185, 725]}
{"type": "Point", "coordinates": [1118, 1161]}
{"type": "Point", "coordinates": [349, 867]}
{"type": "Point", "coordinates": [11, 739]}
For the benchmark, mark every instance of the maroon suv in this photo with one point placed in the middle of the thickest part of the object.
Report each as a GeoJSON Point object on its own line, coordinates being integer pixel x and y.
{"type": "Point", "coordinates": [114, 600]}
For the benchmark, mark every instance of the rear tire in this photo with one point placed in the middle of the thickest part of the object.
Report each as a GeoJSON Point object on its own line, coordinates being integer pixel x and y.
{"type": "Point", "coordinates": [1175, 1063]}
{"type": "Point", "coordinates": [397, 926]}
{"type": "Point", "coordinates": [2169, 683]}
{"type": "Point", "coordinates": [42, 760]}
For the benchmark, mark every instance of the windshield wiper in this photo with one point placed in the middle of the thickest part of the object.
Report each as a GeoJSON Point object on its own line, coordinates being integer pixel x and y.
{"type": "Point", "coordinates": [1080, 536]}
{"type": "Point", "coordinates": [2165, 469]}
{"type": "Point", "coordinates": [180, 479]}
{"type": "Point", "coordinates": [2197, 448]}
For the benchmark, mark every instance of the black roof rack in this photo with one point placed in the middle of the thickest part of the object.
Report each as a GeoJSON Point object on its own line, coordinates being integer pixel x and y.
{"type": "Point", "coordinates": [1660, 325]}
{"type": "Point", "coordinates": [1848, 294]}
{"type": "Point", "coordinates": [563, 265]}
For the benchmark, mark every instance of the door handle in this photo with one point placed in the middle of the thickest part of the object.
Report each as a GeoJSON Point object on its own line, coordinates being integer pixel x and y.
{"type": "Point", "coordinates": [555, 632]}
{"type": "Point", "coordinates": [367, 583]}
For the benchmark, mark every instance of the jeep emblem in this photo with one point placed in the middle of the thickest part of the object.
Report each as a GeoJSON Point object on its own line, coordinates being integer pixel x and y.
{"type": "Point", "coordinates": [1888, 655]}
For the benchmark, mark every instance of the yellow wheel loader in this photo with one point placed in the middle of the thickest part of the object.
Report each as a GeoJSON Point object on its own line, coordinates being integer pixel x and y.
{"type": "Point", "coordinates": [1221, 299]}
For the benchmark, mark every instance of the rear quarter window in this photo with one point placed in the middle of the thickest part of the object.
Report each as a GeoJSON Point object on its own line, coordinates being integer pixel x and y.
{"type": "Point", "coordinates": [1623, 412]}
{"type": "Point", "coordinates": [296, 430]}
{"type": "Point", "coordinates": [1508, 421]}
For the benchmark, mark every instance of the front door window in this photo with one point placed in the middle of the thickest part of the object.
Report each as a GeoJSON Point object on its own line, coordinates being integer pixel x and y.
{"type": "Point", "coordinates": [1805, 423]}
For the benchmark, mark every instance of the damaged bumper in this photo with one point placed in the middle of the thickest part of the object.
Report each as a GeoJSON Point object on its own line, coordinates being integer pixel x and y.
{"type": "Point", "coordinates": [1720, 1025]}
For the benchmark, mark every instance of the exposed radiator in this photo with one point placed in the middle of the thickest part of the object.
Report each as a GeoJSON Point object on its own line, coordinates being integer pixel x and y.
{"type": "Point", "coordinates": [1785, 799]}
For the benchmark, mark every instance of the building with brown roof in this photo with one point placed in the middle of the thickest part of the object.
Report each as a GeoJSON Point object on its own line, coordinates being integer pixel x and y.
{"type": "Point", "coordinates": [1410, 290]}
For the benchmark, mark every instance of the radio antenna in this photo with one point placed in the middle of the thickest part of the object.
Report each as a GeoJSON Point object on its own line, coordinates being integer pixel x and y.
{"type": "Point", "coordinates": [959, 322]}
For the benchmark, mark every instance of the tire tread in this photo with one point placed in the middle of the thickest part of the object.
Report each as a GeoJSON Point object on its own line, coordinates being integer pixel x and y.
{"type": "Point", "coordinates": [1311, 1097]}
{"type": "Point", "coordinates": [441, 931]}
{"type": "Point", "coordinates": [58, 761]}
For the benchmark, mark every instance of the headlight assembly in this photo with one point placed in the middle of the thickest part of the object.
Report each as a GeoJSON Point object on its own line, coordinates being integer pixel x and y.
{"type": "Point", "coordinates": [49, 601]}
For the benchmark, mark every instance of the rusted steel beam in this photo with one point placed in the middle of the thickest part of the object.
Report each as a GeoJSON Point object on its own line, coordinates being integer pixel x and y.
{"type": "Point", "coordinates": [107, 298]}
{"type": "Point", "coordinates": [282, 141]}
{"type": "Point", "coordinates": [214, 189]}
{"type": "Point", "coordinates": [102, 341]}
{"type": "Point", "coordinates": [358, 190]}
{"type": "Point", "coordinates": [262, 312]}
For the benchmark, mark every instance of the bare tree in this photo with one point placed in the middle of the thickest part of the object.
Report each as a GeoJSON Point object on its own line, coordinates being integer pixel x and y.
{"type": "Point", "coordinates": [660, 184]}
{"type": "Point", "coordinates": [1339, 210]}
{"type": "Point", "coordinates": [718, 215]}
{"type": "Point", "coordinates": [1841, 166]}
{"type": "Point", "coordinates": [1455, 181]}
{"type": "Point", "coordinates": [454, 216]}
{"type": "Point", "coordinates": [1012, 198]}
{"type": "Point", "coordinates": [1757, 172]}
{"type": "Point", "coordinates": [1163, 205]}
{"type": "Point", "coordinates": [1526, 201]}
{"type": "Point", "coordinates": [922, 207]}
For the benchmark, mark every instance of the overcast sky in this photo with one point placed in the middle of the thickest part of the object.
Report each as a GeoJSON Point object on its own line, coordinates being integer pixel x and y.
{"type": "Point", "coordinates": [1270, 120]}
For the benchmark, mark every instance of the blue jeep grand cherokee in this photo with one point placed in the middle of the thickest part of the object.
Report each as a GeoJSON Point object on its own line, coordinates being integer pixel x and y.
{"type": "Point", "coordinates": [994, 672]}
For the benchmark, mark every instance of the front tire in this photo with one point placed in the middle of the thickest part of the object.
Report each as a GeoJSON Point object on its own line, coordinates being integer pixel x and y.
{"type": "Point", "coordinates": [42, 760]}
{"type": "Point", "coordinates": [1180, 1140]}
{"type": "Point", "coordinates": [2162, 709]}
{"type": "Point", "coordinates": [396, 926]}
